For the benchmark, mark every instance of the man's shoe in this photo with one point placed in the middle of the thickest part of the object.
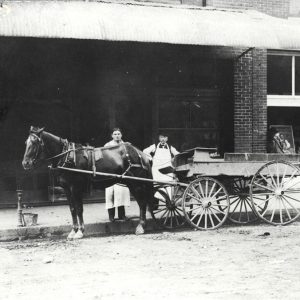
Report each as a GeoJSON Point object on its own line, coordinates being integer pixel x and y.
{"type": "Point", "coordinates": [121, 213]}
{"type": "Point", "coordinates": [111, 214]}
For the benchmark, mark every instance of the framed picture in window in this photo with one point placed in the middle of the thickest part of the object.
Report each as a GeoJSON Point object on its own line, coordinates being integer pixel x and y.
{"type": "Point", "coordinates": [286, 133]}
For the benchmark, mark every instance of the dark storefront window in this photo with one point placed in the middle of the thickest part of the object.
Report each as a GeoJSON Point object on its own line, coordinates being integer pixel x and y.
{"type": "Point", "coordinates": [297, 75]}
{"type": "Point", "coordinates": [190, 120]}
{"type": "Point", "coordinates": [279, 75]}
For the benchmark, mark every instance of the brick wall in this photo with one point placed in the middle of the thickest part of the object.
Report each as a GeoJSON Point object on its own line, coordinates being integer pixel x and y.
{"type": "Point", "coordinates": [276, 8]}
{"type": "Point", "coordinates": [259, 96]}
{"type": "Point", "coordinates": [250, 108]}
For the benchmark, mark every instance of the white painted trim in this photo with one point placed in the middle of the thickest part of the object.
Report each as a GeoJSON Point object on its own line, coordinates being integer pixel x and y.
{"type": "Point", "coordinates": [283, 52]}
{"type": "Point", "coordinates": [293, 75]}
{"type": "Point", "coordinates": [284, 101]}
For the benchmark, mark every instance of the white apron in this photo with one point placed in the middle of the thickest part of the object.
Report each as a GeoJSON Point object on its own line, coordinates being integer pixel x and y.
{"type": "Point", "coordinates": [161, 159]}
{"type": "Point", "coordinates": [117, 194]}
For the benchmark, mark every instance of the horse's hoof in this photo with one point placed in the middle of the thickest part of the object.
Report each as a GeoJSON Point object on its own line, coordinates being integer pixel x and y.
{"type": "Point", "coordinates": [71, 235]}
{"type": "Point", "coordinates": [78, 235]}
{"type": "Point", "coordinates": [139, 230]}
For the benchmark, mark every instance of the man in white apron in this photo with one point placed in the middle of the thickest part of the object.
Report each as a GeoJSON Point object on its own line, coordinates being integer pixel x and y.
{"type": "Point", "coordinates": [117, 195]}
{"type": "Point", "coordinates": [162, 155]}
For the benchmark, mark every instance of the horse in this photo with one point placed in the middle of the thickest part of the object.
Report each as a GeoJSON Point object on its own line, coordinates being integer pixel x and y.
{"type": "Point", "coordinates": [123, 159]}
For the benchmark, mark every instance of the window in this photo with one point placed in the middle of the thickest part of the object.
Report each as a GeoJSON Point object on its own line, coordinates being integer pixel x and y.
{"type": "Point", "coordinates": [294, 8]}
{"type": "Point", "coordinates": [279, 75]}
{"type": "Point", "coordinates": [297, 75]}
{"type": "Point", "coordinates": [283, 79]}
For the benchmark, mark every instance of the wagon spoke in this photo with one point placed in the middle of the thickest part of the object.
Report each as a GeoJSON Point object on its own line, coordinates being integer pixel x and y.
{"type": "Point", "coordinates": [201, 190]}
{"type": "Point", "coordinates": [200, 218]}
{"type": "Point", "coordinates": [211, 220]}
{"type": "Point", "coordinates": [236, 199]}
{"type": "Point", "coordinates": [291, 205]}
{"type": "Point", "coordinates": [221, 198]}
{"type": "Point", "coordinates": [291, 198]}
{"type": "Point", "coordinates": [277, 170]}
{"type": "Point", "coordinates": [263, 213]}
{"type": "Point", "coordinates": [206, 188]}
{"type": "Point", "coordinates": [266, 180]}
{"type": "Point", "coordinates": [263, 186]}
{"type": "Point", "coordinates": [247, 213]}
{"type": "Point", "coordinates": [297, 182]}
{"type": "Point", "coordinates": [271, 175]}
{"type": "Point", "coordinates": [262, 194]}
{"type": "Point", "coordinates": [247, 201]}
{"type": "Point", "coordinates": [296, 191]}
{"type": "Point", "coordinates": [160, 210]}
{"type": "Point", "coordinates": [291, 177]}
{"type": "Point", "coordinates": [216, 216]}
{"type": "Point", "coordinates": [280, 211]}
{"type": "Point", "coordinates": [171, 218]}
{"type": "Point", "coordinates": [287, 211]}
{"type": "Point", "coordinates": [217, 192]}
{"type": "Point", "coordinates": [167, 216]}
{"type": "Point", "coordinates": [237, 204]}
{"type": "Point", "coordinates": [212, 189]}
{"type": "Point", "coordinates": [205, 219]}
{"type": "Point", "coordinates": [283, 176]}
{"type": "Point", "coordinates": [179, 210]}
{"type": "Point", "coordinates": [197, 213]}
{"type": "Point", "coordinates": [164, 213]}
{"type": "Point", "coordinates": [195, 191]}
{"type": "Point", "coordinates": [261, 199]}
{"type": "Point", "coordinates": [258, 206]}
{"type": "Point", "coordinates": [273, 212]}
{"type": "Point", "coordinates": [194, 197]}
{"type": "Point", "coordinates": [176, 219]}
{"type": "Point", "coordinates": [218, 210]}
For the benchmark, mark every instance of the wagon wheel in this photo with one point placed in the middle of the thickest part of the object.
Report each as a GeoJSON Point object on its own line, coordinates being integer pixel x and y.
{"type": "Point", "coordinates": [277, 185]}
{"type": "Point", "coordinates": [167, 207]}
{"type": "Point", "coordinates": [206, 203]}
{"type": "Point", "coordinates": [241, 209]}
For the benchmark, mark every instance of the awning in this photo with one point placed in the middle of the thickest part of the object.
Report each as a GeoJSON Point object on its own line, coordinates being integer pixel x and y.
{"type": "Point", "coordinates": [147, 23]}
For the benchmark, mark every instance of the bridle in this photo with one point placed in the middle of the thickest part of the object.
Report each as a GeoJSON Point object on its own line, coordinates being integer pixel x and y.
{"type": "Point", "coordinates": [41, 148]}
{"type": "Point", "coordinates": [41, 145]}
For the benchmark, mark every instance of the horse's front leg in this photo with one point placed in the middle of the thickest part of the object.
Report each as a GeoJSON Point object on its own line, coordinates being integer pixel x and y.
{"type": "Point", "coordinates": [140, 229]}
{"type": "Point", "coordinates": [77, 195]}
{"type": "Point", "coordinates": [73, 214]}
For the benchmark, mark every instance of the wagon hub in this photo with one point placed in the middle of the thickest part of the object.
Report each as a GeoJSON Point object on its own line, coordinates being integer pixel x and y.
{"type": "Point", "coordinates": [279, 192]}
{"type": "Point", "coordinates": [206, 202]}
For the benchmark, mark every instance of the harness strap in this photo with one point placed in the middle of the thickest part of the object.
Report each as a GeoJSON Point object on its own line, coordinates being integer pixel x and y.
{"type": "Point", "coordinates": [74, 153]}
{"type": "Point", "coordinates": [93, 162]}
{"type": "Point", "coordinates": [131, 165]}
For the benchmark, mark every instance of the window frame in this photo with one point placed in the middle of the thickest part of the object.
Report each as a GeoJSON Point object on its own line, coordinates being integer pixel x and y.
{"type": "Point", "coordinates": [292, 100]}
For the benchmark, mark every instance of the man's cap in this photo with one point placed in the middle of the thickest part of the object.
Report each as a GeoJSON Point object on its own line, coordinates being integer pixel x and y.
{"type": "Point", "coordinates": [163, 133]}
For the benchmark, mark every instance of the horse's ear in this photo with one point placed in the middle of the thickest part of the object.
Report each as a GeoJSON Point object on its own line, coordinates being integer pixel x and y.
{"type": "Point", "coordinates": [40, 130]}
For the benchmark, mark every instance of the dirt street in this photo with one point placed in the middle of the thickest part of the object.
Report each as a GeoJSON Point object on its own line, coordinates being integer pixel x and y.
{"type": "Point", "coordinates": [250, 262]}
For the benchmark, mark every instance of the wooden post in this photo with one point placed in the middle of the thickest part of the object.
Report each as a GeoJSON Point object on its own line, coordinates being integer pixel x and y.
{"type": "Point", "coordinates": [19, 212]}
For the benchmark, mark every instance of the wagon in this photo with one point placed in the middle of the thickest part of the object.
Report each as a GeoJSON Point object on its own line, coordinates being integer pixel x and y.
{"type": "Point", "coordinates": [241, 188]}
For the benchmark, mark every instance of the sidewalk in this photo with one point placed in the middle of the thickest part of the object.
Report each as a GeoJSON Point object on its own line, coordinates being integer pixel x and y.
{"type": "Point", "coordinates": [56, 220]}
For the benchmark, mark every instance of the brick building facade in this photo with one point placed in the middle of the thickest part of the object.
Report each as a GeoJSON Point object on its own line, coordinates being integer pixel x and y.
{"type": "Point", "coordinates": [250, 81]}
{"type": "Point", "coordinates": [276, 8]}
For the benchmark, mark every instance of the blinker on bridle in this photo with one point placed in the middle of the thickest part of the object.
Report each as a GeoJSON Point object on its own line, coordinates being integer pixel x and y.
{"type": "Point", "coordinates": [40, 143]}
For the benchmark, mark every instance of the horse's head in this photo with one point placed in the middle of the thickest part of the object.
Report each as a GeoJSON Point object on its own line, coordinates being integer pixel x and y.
{"type": "Point", "coordinates": [34, 148]}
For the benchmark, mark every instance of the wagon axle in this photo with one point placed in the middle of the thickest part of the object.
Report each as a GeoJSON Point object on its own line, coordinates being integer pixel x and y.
{"type": "Point", "coordinates": [279, 192]}
{"type": "Point", "coordinates": [206, 202]}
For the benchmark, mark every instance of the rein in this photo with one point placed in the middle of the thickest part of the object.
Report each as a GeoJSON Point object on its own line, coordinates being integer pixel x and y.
{"type": "Point", "coordinates": [70, 148]}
